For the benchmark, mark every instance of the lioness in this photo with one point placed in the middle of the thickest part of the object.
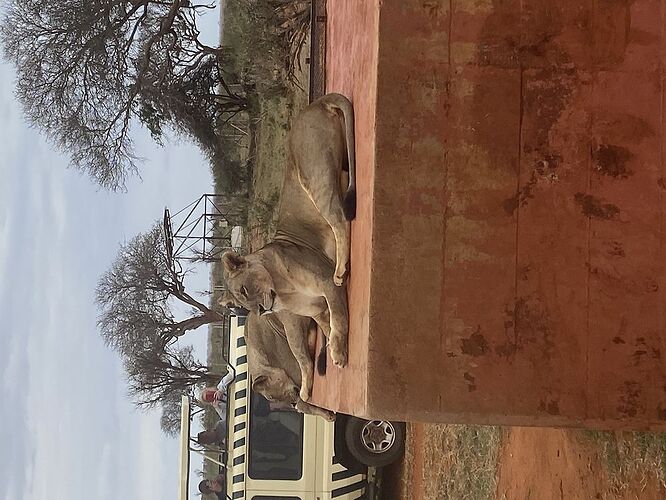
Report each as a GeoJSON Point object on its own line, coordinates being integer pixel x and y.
{"type": "Point", "coordinates": [293, 272]}
{"type": "Point", "coordinates": [298, 332]}
{"type": "Point", "coordinates": [272, 366]}
{"type": "Point", "coordinates": [285, 277]}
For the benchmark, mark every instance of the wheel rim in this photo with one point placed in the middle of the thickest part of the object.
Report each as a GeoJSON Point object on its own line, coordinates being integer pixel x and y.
{"type": "Point", "coordinates": [378, 436]}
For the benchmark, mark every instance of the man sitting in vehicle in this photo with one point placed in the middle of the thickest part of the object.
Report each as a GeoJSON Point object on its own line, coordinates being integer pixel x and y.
{"type": "Point", "coordinates": [217, 396]}
{"type": "Point", "coordinates": [215, 485]}
{"type": "Point", "coordinates": [217, 436]}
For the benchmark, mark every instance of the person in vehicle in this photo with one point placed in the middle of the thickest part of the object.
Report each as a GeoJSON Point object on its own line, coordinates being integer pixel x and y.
{"type": "Point", "coordinates": [217, 436]}
{"type": "Point", "coordinates": [215, 485]}
{"type": "Point", "coordinates": [217, 396]}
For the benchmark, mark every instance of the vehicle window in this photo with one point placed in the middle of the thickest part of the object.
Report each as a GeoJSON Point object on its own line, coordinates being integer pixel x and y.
{"type": "Point", "coordinates": [275, 442]}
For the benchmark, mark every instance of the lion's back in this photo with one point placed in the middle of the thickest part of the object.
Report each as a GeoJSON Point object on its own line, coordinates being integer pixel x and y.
{"type": "Point", "coordinates": [266, 347]}
{"type": "Point", "coordinates": [298, 219]}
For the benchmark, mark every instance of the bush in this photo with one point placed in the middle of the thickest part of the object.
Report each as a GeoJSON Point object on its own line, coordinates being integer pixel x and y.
{"type": "Point", "coordinates": [266, 36]}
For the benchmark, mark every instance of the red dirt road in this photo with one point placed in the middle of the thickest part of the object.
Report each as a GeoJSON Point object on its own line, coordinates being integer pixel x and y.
{"type": "Point", "coordinates": [555, 464]}
{"type": "Point", "coordinates": [534, 463]}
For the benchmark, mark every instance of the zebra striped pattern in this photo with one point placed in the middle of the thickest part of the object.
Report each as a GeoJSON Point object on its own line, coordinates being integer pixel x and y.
{"type": "Point", "coordinates": [344, 484]}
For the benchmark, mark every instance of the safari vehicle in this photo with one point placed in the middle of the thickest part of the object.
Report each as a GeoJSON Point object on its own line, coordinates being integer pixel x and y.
{"type": "Point", "coordinates": [282, 454]}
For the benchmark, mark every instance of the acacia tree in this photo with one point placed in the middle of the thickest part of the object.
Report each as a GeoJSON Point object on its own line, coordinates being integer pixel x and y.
{"type": "Point", "coordinates": [136, 296]}
{"type": "Point", "coordinates": [170, 419]}
{"type": "Point", "coordinates": [87, 68]}
{"type": "Point", "coordinates": [157, 375]}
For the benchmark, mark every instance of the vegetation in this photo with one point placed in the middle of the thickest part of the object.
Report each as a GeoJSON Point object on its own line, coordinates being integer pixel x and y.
{"type": "Point", "coordinates": [626, 455]}
{"type": "Point", "coordinates": [267, 37]}
{"type": "Point", "coordinates": [136, 297]}
{"type": "Point", "coordinates": [468, 469]}
{"type": "Point", "coordinates": [87, 70]}
{"type": "Point", "coordinates": [264, 40]}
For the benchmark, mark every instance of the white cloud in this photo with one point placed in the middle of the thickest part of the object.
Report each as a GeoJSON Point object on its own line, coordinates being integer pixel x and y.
{"type": "Point", "coordinates": [13, 370]}
{"type": "Point", "coordinates": [65, 414]}
{"type": "Point", "coordinates": [106, 477]}
{"type": "Point", "coordinates": [5, 232]}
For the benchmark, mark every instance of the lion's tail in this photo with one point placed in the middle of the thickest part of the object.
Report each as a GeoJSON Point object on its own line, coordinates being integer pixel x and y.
{"type": "Point", "coordinates": [340, 102]}
{"type": "Point", "coordinates": [349, 203]}
{"type": "Point", "coordinates": [321, 360]}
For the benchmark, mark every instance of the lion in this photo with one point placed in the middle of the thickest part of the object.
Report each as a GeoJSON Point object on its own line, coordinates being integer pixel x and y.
{"type": "Point", "coordinates": [273, 369]}
{"type": "Point", "coordinates": [293, 272]}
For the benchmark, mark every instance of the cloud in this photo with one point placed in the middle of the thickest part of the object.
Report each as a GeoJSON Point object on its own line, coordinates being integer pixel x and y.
{"type": "Point", "coordinates": [66, 418]}
{"type": "Point", "coordinates": [5, 231]}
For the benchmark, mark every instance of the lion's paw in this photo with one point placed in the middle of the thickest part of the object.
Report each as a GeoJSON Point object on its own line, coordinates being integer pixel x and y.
{"type": "Point", "coordinates": [339, 358]}
{"type": "Point", "coordinates": [340, 275]}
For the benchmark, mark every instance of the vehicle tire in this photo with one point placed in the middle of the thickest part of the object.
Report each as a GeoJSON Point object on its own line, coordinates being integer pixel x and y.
{"type": "Point", "coordinates": [375, 443]}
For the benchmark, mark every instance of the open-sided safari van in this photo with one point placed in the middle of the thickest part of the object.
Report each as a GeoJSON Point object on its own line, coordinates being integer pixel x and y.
{"type": "Point", "coordinates": [285, 455]}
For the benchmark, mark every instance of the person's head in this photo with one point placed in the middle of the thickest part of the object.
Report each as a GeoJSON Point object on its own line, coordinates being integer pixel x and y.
{"type": "Point", "coordinates": [210, 486]}
{"type": "Point", "coordinates": [208, 395]}
{"type": "Point", "coordinates": [207, 437]}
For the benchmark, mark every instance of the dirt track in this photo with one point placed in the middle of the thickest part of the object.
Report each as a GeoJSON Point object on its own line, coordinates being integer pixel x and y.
{"type": "Point", "coordinates": [533, 463]}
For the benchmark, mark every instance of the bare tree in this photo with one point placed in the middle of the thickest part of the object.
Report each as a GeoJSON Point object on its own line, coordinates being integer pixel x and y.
{"type": "Point", "coordinates": [86, 69]}
{"type": "Point", "coordinates": [157, 375]}
{"type": "Point", "coordinates": [293, 25]}
{"type": "Point", "coordinates": [170, 419]}
{"type": "Point", "coordinates": [136, 298]}
{"type": "Point", "coordinates": [136, 294]}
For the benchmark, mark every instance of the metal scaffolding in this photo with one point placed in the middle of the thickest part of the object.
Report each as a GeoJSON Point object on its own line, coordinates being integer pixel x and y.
{"type": "Point", "coordinates": [204, 229]}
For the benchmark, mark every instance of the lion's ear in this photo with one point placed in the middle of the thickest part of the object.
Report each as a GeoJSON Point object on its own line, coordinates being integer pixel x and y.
{"type": "Point", "coordinates": [227, 300]}
{"type": "Point", "coordinates": [232, 261]}
{"type": "Point", "coordinates": [259, 383]}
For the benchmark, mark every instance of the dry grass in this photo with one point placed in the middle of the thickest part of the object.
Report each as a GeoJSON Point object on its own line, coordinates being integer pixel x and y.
{"type": "Point", "coordinates": [275, 115]}
{"type": "Point", "coordinates": [628, 455]}
{"type": "Point", "coordinates": [460, 461]}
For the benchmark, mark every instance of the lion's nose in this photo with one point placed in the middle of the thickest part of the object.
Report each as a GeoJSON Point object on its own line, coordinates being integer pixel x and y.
{"type": "Point", "coordinates": [262, 309]}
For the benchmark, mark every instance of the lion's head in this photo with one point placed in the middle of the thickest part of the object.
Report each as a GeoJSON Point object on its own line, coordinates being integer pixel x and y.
{"type": "Point", "coordinates": [276, 385]}
{"type": "Point", "coordinates": [249, 283]}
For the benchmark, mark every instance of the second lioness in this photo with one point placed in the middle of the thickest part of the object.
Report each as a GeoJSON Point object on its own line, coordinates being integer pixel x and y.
{"type": "Point", "coordinates": [273, 369]}
{"type": "Point", "coordinates": [293, 272]}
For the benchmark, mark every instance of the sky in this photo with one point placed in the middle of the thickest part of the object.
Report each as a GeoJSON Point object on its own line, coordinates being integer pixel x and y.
{"type": "Point", "coordinates": [68, 431]}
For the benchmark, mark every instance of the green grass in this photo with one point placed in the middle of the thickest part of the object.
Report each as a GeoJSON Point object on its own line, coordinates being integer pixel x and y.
{"type": "Point", "coordinates": [627, 455]}
{"type": "Point", "coordinates": [256, 56]}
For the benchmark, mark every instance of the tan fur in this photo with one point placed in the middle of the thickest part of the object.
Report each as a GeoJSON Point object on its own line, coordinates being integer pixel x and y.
{"type": "Point", "coordinates": [311, 213]}
{"type": "Point", "coordinates": [273, 369]}
{"type": "Point", "coordinates": [293, 273]}
{"type": "Point", "coordinates": [284, 277]}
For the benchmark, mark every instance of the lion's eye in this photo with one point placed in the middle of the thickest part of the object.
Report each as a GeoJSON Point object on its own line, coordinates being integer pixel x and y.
{"type": "Point", "coordinates": [244, 291]}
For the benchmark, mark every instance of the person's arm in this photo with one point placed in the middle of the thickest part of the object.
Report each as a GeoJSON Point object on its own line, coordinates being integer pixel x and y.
{"type": "Point", "coordinates": [221, 393]}
{"type": "Point", "coordinates": [221, 409]}
{"type": "Point", "coordinates": [226, 380]}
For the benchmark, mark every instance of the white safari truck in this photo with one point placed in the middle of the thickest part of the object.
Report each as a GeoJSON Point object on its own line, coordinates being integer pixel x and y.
{"type": "Point", "coordinates": [285, 455]}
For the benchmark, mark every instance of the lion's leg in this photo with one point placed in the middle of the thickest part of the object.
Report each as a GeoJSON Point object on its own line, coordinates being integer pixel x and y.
{"type": "Point", "coordinates": [325, 194]}
{"type": "Point", "coordinates": [304, 407]}
{"type": "Point", "coordinates": [296, 329]}
{"type": "Point", "coordinates": [339, 321]}
{"type": "Point", "coordinates": [323, 321]}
